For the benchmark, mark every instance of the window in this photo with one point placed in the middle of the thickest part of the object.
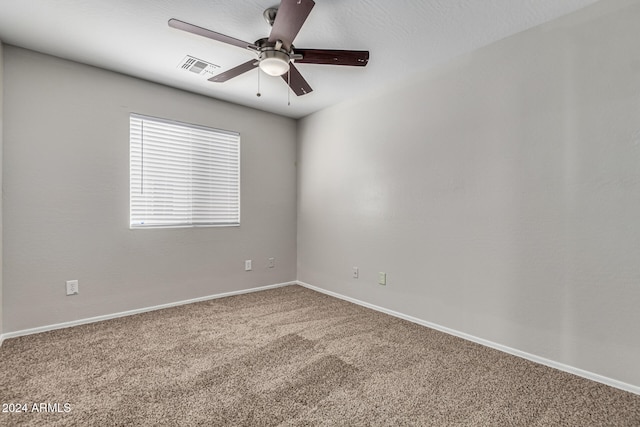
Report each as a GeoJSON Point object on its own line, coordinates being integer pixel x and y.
{"type": "Point", "coordinates": [182, 175]}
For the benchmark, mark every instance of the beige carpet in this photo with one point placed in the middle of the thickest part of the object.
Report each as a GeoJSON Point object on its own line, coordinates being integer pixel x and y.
{"type": "Point", "coordinates": [288, 356]}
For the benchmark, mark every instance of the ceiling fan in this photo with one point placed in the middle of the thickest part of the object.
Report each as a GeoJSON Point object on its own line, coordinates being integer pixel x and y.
{"type": "Point", "coordinates": [275, 54]}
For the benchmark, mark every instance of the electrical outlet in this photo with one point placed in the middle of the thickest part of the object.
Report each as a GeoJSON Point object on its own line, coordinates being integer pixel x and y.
{"type": "Point", "coordinates": [72, 287]}
{"type": "Point", "coordinates": [247, 265]}
{"type": "Point", "coordinates": [382, 278]}
{"type": "Point", "coordinates": [271, 262]}
{"type": "Point", "coordinates": [356, 273]}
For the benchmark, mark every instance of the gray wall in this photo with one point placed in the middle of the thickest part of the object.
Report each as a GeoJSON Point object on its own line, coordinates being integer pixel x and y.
{"type": "Point", "coordinates": [1, 173]}
{"type": "Point", "coordinates": [500, 193]}
{"type": "Point", "coordinates": [66, 180]}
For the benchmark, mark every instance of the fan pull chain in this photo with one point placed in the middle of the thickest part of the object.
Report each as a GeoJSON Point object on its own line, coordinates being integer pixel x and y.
{"type": "Point", "coordinates": [289, 88]}
{"type": "Point", "coordinates": [258, 94]}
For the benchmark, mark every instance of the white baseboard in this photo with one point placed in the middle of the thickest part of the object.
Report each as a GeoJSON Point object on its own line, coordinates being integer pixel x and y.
{"type": "Point", "coordinates": [136, 311]}
{"type": "Point", "coordinates": [532, 357]}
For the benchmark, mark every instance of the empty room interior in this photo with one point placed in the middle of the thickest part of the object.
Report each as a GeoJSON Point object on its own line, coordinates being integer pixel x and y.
{"type": "Point", "coordinates": [320, 213]}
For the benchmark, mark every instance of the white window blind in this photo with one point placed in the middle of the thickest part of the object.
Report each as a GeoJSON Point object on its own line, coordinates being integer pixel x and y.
{"type": "Point", "coordinates": [183, 175]}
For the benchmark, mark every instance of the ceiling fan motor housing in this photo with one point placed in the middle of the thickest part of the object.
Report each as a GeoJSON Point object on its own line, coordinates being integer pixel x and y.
{"type": "Point", "coordinates": [272, 58]}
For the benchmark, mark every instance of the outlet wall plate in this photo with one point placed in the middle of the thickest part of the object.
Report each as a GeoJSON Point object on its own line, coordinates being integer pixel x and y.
{"type": "Point", "coordinates": [72, 287]}
{"type": "Point", "coordinates": [382, 278]}
{"type": "Point", "coordinates": [247, 265]}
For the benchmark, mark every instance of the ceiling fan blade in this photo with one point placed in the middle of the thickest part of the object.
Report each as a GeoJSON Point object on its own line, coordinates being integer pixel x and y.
{"type": "Point", "coordinates": [289, 19]}
{"type": "Point", "coordinates": [234, 72]}
{"type": "Point", "coordinates": [194, 29]}
{"type": "Point", "coordinates": [298, 84]}
{"type": "Point", "coordinates": [354, 58]}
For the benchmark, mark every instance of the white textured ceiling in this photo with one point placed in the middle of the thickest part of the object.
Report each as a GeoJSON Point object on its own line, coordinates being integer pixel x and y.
{"type": "Point", "coordinates": [404, 37]}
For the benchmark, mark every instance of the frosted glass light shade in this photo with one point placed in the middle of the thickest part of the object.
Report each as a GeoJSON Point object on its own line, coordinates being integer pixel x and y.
{"type": "Point", "coordinates": [274, 63]}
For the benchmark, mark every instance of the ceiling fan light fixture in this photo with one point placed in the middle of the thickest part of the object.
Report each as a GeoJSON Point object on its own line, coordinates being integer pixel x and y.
{"type": "Point", "coordinates": [276, 52]}
{"type": "Point", "coordinates": [274, 62]}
